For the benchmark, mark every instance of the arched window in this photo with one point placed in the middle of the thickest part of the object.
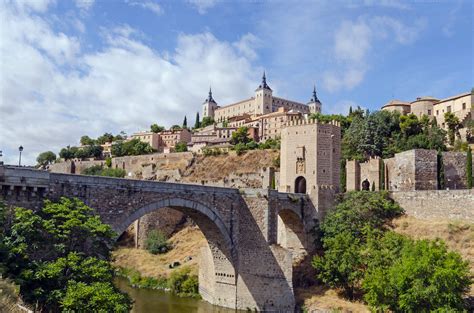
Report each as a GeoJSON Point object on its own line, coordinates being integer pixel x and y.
{"type": "Point", "coordinates": [300, 184]}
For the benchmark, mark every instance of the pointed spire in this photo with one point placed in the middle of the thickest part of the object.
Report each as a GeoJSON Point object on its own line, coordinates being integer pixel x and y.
{"type": "Point", "coordinates": [315, 97]}
{"type": "Point", "coordinates": [209, 98]}
{"type": "Point", "coordinates": [264, 82]}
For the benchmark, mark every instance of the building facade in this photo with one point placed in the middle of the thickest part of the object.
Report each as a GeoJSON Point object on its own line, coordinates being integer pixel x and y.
{"type": "Point", "coordinates": [263, 102]}
{"type": "Point", "coordinates": [165, 140]}
{"type": "Point", "coordinates": [462, 106]}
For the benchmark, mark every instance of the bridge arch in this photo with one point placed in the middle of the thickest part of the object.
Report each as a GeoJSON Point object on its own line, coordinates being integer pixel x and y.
{"type": "Point", "coordinates": [217, 270]}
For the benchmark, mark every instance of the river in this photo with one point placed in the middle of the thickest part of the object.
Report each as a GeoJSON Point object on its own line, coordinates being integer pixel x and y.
{"type": "Point", "coordinates": [159, 301]}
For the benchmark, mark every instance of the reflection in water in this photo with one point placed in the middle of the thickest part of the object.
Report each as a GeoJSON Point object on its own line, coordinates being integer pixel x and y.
{"type": "Point", "coordinates": [158, 301]}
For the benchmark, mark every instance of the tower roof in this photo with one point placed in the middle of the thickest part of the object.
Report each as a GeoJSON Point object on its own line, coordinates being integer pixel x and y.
{"type": "Point", "coordinates": [314, 98]}
{"type": "Point", "coordinates": [264, 85]}
{"type": "Point", "coordinates": [209, 97]}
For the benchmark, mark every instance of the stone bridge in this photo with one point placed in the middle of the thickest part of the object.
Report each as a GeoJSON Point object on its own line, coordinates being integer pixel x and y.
{"type": "Point", "coordinates": [253, 235]}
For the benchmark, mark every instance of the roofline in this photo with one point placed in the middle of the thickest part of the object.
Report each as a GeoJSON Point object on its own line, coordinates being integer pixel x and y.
{"type": "Point", "coordinates": [454, 97]}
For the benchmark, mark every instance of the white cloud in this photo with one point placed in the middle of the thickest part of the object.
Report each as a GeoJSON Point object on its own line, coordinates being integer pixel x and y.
{"type": "Point", "coordinates": [354, 45]}
{"type": "Point", "coordinates": [341, 107]}
{"type": "Point", "coordinates": [33, 5]}
{"type": "Point", "coordinates": [52, 92]}
{"type": "Point", "coordinates": [203, 5]}
{"type": "Point", "coordinates": [84, 4]}
{"type": "Point", "coordinates": [148, 5]}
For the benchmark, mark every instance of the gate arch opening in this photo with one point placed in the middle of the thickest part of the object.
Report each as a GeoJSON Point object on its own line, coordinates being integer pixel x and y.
{"type": "Point", "coordinates": [300, 184]}
{"type": "Point", "coordinates": [217, 274]}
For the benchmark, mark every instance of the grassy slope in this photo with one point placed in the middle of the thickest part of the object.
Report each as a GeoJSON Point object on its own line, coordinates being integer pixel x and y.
{"type": "Point", "coordinates": [186, 242]}
{"type": "Point", "coordinates": [8, 297]}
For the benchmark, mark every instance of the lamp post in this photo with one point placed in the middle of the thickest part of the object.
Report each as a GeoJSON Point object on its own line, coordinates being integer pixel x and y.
{"type": "Point", "coordinates": [20, 148]}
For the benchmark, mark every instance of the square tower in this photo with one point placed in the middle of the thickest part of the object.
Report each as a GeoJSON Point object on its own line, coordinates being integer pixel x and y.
{"type": "Point", "coordinates": [310, 160]}
{"type": "Point", "coordinates": [263, 98]}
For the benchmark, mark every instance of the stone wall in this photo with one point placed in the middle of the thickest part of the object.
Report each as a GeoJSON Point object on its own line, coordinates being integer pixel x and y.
{"type": "Point", "coordinates": [410, 170]}
{"type": "Point", "coordinates": [437, 204]}
{"type": "Point", "coordinates": [455, 170]}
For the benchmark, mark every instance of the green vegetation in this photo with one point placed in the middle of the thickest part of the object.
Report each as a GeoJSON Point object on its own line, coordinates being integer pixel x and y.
{"type": "Point", "coordinates": [46, 158]}
{"type": "Point", "coordinates": [59, 257]}
{"type": "Point", "coordinates": [454, 125]}
{"type": "Point", "coordinates": [157, 242]}
{"type": "Point", "coordinates": [99, 170]}
{"type": "Point", "coordinates": [94, 151]}
{"type": "Point", "coordinates": [181, 147]}
{"type": "Point", "coordinates": [469, 172]}
{"type": "Point", "coordinates": [185, 122]}
{"type": "Point", "coordinates": [155, 128]}
{"type": "Point", "coordinates": [207, 121]}
{"type": "Point", "coordinates": [131, 147]}
{"type": "Point", "coordinates": [197, 123]}
{"type": "Point", "coordinates": [390, 271]}
{"type": "Point", "coordinates": [137, 281]}
{"type": "Point", "coordinates": [181, 281]}
{"type": "Point", "coordinates": [383, 134]}
{"type": "Point", "coordinates": [240, 136]}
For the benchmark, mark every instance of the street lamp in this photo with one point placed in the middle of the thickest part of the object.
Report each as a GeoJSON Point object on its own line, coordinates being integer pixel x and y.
{"type": "Point", "coordinates": [20, 148]}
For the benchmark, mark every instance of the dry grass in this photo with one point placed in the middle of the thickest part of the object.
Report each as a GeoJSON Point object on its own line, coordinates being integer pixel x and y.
{"type": "Point", "coordinates": [212, 168]}
{"type": "Point", "coordinates": [319, 298]}
{"type": "Point", "coordinates": [186, 242]}
{"type": "Point", "coordinates": [8, 297]}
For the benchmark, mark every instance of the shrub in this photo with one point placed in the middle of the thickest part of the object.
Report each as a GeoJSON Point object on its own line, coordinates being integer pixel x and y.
{"type": "Point", "coordinates": [156, 242]}
{"type": "Point", "coordinates": [183, 283]}
{"type": "Point", "coordinates": [99, 170]}
{"type": "Point", "coordinates": [181, 147]}
{"type": "Point", "coordinates": [404, 275]}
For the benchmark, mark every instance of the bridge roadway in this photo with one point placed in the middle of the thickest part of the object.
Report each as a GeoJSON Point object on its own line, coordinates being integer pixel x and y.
{"type": "Point", "coordinates": [253, 235]}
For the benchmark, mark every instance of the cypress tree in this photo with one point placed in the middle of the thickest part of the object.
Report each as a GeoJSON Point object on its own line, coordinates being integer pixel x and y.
{"type": "Point", "coordinates": [382, 175]}
{"type": "Point", "coordinates": [185, 122]}
{"type": "Point", "coordinates": [373, 186]}
{"type": "Point", "coordinates": [469, 168]}
{"type": "Point", "coordinates": [441, 183]}
{"type": "Point", "coordinates": [197, 124]}
{"type": "Point", "coordinates": [350, 110]}
{"type": "Point", "coordinates": [342, 176]}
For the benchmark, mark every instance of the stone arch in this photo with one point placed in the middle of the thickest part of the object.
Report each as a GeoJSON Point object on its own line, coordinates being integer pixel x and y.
{"type": "Point", "coordinates": [217, 271]}
{"type": "Point", "coordinates": [292, 233]}
{"type": "Point", "coordinates": [300, 184]}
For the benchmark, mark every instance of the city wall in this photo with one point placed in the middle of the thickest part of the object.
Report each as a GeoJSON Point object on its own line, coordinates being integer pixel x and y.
{"type": "Point", "coordinates": [437, 204]}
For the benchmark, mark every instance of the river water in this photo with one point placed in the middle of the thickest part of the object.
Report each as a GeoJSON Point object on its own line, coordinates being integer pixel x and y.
{"type": "Point", "coordinates": [159, 301]}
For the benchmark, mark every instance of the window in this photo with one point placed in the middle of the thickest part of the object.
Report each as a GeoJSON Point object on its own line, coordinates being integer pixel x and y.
{"type": "Point", "coordinates": [464, 106]}
{"type": "Point", "coordinates": [437, 112]}
{"type": "Point", "coordinates": [449, 109]}
{"type": "Point", "coordinates": [429, 112]}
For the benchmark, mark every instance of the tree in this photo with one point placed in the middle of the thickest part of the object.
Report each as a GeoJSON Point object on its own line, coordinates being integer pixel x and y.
{"type": "Point", "coordinates": [409, 125]}
{"type": "Point", "coordinates": [105, 138]}
{"type": "Point", "coordinates": [87, 141]}
{"type": "Point", "coordinates": [131, 147]}
{"type": "Point", "coordinates": [405, 275]}
{"type": "Point", "coordinates": [344, 232]}
{"type": "Point", "coordinates": [240, 136]}
{"type": "Point", "coordinates": [207, 121]}
{"type": "Point", "coordinates": [181, 147]}
{"type": "Point", "coordinates": [155, 128]}
{"type": "Point", "coordinates": [99, 170]}
{"type": "Point", "coordinates": [197, 124]}
{"type": "Point", "coordinates": [156, 242]}
{"type": "Point", "coordinates": [46, 158]}
{"type": "Point", "coordinates": [68, 153]}
{"type": "Point", "coordinates": [469, 172]}
{"type": "Point", "coordinates": [175, 127]}
{"type": "Point", "coordinates": [61, 244]}
{"type": "Point", "coordinates": [453, 124]}
{"type": "Point", "coordinates": [185, 122]}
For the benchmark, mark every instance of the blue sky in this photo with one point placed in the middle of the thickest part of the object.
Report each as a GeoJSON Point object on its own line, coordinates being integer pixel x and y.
{"type": "Point", "coordinates": [70, 68]}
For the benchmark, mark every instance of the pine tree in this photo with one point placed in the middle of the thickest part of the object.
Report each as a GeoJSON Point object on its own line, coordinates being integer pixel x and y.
{"type": "Point", "coordinates": [185, 122]}
{"type": "Point", "coordinates": [469, 168]}
{"type": "Point", "coordinates": [197, 124]}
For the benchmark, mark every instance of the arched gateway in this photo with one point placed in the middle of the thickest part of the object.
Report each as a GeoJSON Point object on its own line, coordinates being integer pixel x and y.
{"type": "Point", "coordinates": [244, 265]}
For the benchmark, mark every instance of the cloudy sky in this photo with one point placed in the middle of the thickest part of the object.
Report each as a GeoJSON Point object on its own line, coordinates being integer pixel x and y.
{"type": "Point", "coordinates": [84, 67]}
